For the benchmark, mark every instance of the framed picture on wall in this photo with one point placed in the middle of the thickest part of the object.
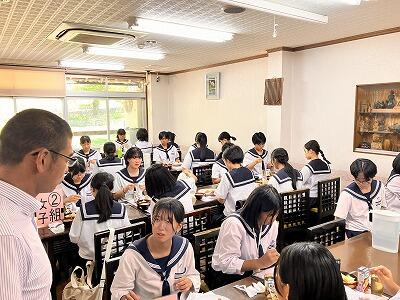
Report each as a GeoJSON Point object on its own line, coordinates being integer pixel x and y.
{"type": "Point", "coordinates": [212, 86]}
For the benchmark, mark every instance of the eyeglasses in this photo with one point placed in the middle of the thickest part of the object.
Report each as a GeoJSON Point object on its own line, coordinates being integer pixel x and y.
{"type": "Point", "coordinates": [71, 161]}
{"type": "Point", "coordinates": [363, 180]}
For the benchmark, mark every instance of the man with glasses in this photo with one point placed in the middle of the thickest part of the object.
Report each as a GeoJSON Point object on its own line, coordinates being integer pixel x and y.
{"type": "Point", "coordinates": [35, 148]}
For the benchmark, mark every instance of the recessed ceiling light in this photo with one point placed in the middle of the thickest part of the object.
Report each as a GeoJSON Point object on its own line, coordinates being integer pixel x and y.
{"type": "Point", "coordinates": [123, 53]}
{"type": "Point", "coordinates": [232, 9]}
{"type": "Point", "coordinates": [91, 65]}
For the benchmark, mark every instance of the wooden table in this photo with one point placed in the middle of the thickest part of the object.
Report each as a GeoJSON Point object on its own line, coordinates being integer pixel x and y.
{"type": "Point", "coordinates": [358, 251]}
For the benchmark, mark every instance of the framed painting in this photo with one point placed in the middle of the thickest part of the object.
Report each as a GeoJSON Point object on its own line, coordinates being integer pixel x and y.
{"type": "Point", "coordinates": [212, 86]}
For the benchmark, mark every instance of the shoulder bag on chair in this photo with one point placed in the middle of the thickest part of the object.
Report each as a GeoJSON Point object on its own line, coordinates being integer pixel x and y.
{"type": "Point", "coordinates": [80, 288]}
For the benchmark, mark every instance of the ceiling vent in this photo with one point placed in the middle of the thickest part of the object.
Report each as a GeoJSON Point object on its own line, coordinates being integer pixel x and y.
{"type": "Point", "coordinates": [92, 35]}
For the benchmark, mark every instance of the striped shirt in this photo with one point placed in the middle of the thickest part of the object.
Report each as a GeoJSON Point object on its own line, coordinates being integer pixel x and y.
{"type": "Point", "coordinates": [25, 271]}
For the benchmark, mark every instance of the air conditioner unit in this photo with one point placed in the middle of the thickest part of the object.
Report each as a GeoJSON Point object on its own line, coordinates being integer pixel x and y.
{"type": "Point", "coordinates": [92, 35]}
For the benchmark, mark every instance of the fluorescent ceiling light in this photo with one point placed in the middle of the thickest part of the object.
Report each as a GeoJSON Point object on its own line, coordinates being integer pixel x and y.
{"type": "Point", "coordinates": [278, 9]}
{"type": "Point", "coordinates": [181, 30]}
{"type": "Point", "coordinates": [124, 53]}
{"type": "Point", "coordinates": [90, 65]}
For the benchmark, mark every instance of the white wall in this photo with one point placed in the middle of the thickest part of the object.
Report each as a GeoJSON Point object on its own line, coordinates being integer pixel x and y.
{"type": "Point", "coordinates": [240, 110]}
{"type": "Point", "coordinates": [323, 101]}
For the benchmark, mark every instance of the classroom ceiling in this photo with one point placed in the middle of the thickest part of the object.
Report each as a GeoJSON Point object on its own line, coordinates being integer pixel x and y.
{"type": "Point", "coordinates": [25, 24]}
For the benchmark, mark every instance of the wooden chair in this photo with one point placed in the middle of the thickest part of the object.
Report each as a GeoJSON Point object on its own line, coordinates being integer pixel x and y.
{"type": "Point", "coordinates": [111, 267]}
{"type": "Point", "coordinates": [123, 237]}
{"type": "Point", "coordinates": [294, 217]}
{"type": "Point", "coordinates": [196, 221]}
{"type": "Point", "coordinates": [328, 195]}
{"type": "Point", "coordinates": [328, 233]}
{"type": "Point", "coordinates": [203, 174]}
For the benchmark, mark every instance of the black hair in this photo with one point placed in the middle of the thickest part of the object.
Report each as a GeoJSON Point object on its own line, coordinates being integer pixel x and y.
{"type": "Point", "coordinates": [311, 272]}
{"type": "Point", "coordinates": [225, 136]}
{"type": "Point", "coordinates": [195, 137]}
{"type": "Point", "coordinates": [396, 164]}
{"type": "Point", "coordinates": [263, 199]}
{"type": "Point", "coordinates": [170, 206]}
{"type": "Point", "coordinates": [84, 139]}
{"type": "Point", "coordinates": [313, 145]}
{"type": "Point", "coordinates": [158, 181]}
{"type": "Point", "coordinates": [163, 134]}
{"type": "Point", "coordinates": [201, 139]}
{"type": "Point", "coordinates": [142, 135]}
{"type": "Point", "coordinates": [281, 156]}
{"type": "Point", "coordinates": [29, 130]}
{"type": "Point", "coordinates": [234, 154]}
{"type": "Point", "coordinates": [258, 138]}
{"type": "Point", "coordinates": [109, 150]}
{"type": "Point", "coordinates": [131, 153]}
{"type": "Point", "coordinates": [365, 166]}
{"type": "Point", "coordinates": [226, 146]}
{"type": "Point", "coordinates": [121, 131]}
{"type": "Point", "coordinates": [103, 182]}
{"type": "Point", "coordinates": [171, 136]}
{"type": "Point", "coordinates": [78, 167]}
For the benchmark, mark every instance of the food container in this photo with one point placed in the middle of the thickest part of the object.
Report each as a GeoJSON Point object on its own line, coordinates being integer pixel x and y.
{"type": "Point", "coordinates": [143, 204]}
{"type": "Point", "coordinates": [385, 230]}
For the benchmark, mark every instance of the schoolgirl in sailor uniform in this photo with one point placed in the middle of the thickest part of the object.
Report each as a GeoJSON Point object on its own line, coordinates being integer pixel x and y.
{"type": "Point", "coordinates": [165, 152]}
{"type": "Point", "coordinates": [110, 164]}
{"type": "Point", "coordinates": [286, 178]}
{"type": "Point", "coordinates": [247, 239]}
{"type": "Point", "coordinates": [160, 183]}
{"type": "Point", "coordinates": [89, 155]}
{"type": "Point", "coordinates": [97, 215]}
{"type": "Point", "coordinates": [219, 168]}
{"type": "Point", "coordinates": [143, 143]}
{"type": "Point", "coordinates": [129, 181]}
{"type": "Point", "coordinates": [224, 137]}
{"type": "Point", "coordinates": [316, 170]}
{"type": "Point", "coordinates": [257, 158]}
{"type": "Point", "coordinates": [121, 141]}
{"type": "Point", "coordinates": [76, 184]}
{"type": "Point", "coordinates": [193, 146]}
{"type": "Point", "coordinates": [200, 156]}
{"type": "Point", "coordinates": [359, 197]}
{"type": "Point", "coordinates": [237, 184]}
{"type": "Point", "coordinates": [392, 188]}
{"type": "Point", "coordinates": [161, 263]}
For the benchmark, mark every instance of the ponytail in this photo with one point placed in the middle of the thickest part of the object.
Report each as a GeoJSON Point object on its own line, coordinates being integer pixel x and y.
{"type": "Point", "coordinates": [281, 156]}
{"type": "Point", "coordinates": [313, 145]}
{"type": "Point", "coordinates": [201, 139]}
{"type": "Point", "coordinates": [323, 157]}
{"type": "Point", "coordinates": [103, 182]}
{"type": "Point", "coordinates": [292, 174]}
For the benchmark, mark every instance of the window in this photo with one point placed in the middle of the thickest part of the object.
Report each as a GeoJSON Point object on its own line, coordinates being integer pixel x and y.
{"type": "Point", "coordinates": [55, 105]}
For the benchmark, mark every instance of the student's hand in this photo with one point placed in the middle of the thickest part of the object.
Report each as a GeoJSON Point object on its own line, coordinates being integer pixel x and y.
{"type": "Point", "coordinates": [130, 296]}
{"type": "Point", "coordinates": [130, 187]}
{"type": "Point", "coordinates": [92, 162]}
{"type": "Point", "coordinates": [258, 160]}
{"type": "Point", "coordinates": [177, 160]}
{"type": "Point", "coordinates": [268, 259]}
{"type": "Point", "coordinates": [183, 284]}
{"type": "Point", "coordinates": [72, 198]}
{"type": "Point", "coordinates": [385, 276]}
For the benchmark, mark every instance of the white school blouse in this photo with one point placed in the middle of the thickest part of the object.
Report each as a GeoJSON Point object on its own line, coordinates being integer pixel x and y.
{"type": "Point", "coordinates": [282, 182]}
{"type": "Point", "coordinates": [140, 272]}
{"type": "Point", "coordinates": [122, 179]}
{"type": "Point", "coordinates": [234, 186]}
{"type": "Point", "coordinates": [85, 225]}
{"type": "Point", "coordinates": [83, 188]}
{"type": "Point", "coordinates": [161, 155]}
{"type": "Point", "coordinates": [109, 166]}
{"type": "Point", "coordinates": [192, 147]}
{"type": "Point", "coordinates": [251, 155]}
{"type": "Point", "coordinates": [123, 145]}
{"type": "Point", "coordinates": [313, 172]}
{"type": "Point", "coordinates": [146, 147]}
{"type": "Point", "coordinates": [392, 192]}
{"type": "Point", "coordinates": [192, 158]}
{"type": "Point", "coordinates": [238, 242]}
{"type": "Point", "coordinates": [353, 205]}
{"type": "Point", "coordinates": [218, 169]}
{"type": "Point", "coordinates": [92, 155]}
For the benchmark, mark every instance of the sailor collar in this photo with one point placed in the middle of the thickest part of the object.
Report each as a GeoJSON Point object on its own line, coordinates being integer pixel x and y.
{"type": "Point", "coordinates": [319, 166]}
{"type": "Point", "coordinates": [125, 175]}
{"type": "Point", "coordinates": [169, 148]}
{"type": "Point", "coordinates": [69, 183]}
{"type": "Point", "coordinates": [221, 163]}
{"type": "Point", "coordinates": [104, 162]}
{"type": "Point", "coordinates": [89, 211]}
{"type": "Point", "coordinates": [254, 153]}
{"type": "Point", "coordinates": [121, 142]}
{"type": "Point", "coordinates": [281, 176]}
{"type": "Point", "coordinates": [355, 191]}
{"type": "Point", "coordinates": [180, 189]}
{"type": "Point", "coordinates": [392, 176]}
{"type": "Point", "coordinates": [240, 177]}
{"type": "Point", "coordinates": [195, 155]}
{"type": "Point", "coordinates": [86, 156]}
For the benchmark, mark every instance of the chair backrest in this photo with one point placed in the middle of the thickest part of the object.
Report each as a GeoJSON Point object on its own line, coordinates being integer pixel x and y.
{"type": "Point", "coordinates": [196, 221]}
{"type": "Point", "coordinates": [111, 267]}
{"type": "Point", "coordinates": [328, 195]}
{"type": "Point", "coordinates": [204, 244]}
{"type": "Point", "coordinates": [203, 174]}
{"type": "Point", "coordinates": [123, 237]}
{"type": "Point", "coordinates": [328, 233]}
{"type": "Point", "coordinates": [295, 209]}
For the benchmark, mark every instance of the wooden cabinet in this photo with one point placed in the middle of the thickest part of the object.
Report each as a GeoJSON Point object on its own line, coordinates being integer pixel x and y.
{"type": "Point", "coordinates": [377, 119]}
